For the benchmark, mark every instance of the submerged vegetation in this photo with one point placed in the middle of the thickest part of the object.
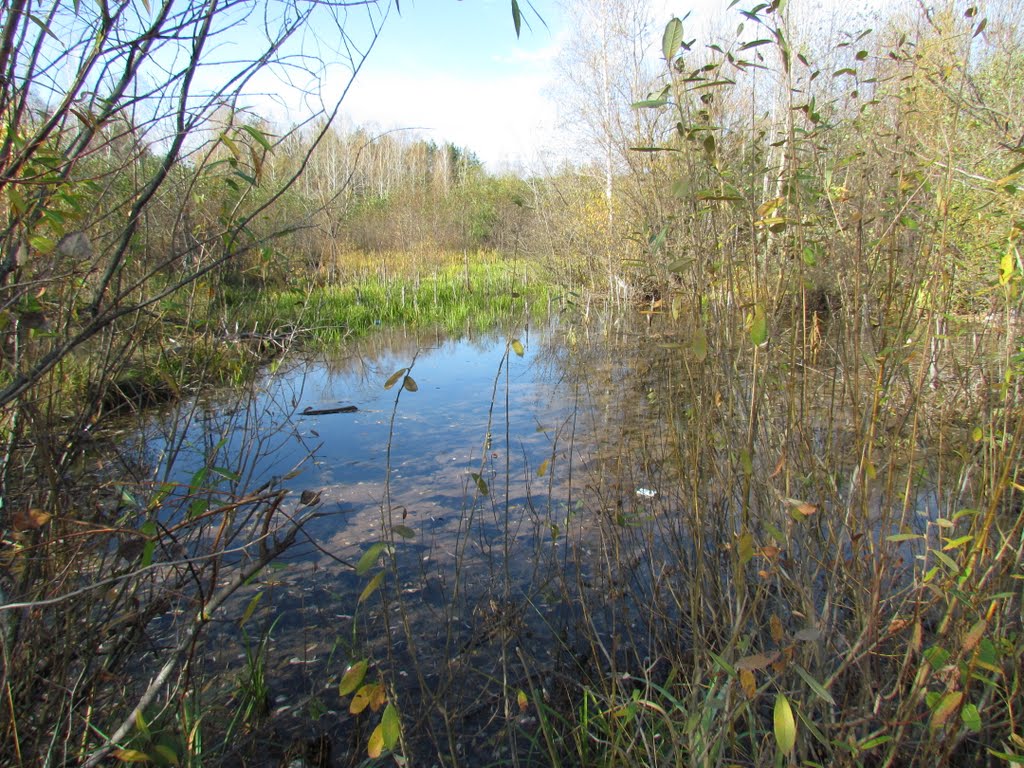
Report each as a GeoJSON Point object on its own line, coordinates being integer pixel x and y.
{"type": "Point", "coordinates": [782, 524]}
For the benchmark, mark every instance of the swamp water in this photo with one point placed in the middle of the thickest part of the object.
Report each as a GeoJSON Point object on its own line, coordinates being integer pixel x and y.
{"type": "Point", "coordinates": [526, 514]}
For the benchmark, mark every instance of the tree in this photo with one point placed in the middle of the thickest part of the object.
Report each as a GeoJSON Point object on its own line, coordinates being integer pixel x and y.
{"type": "Point", "coordinates": [605, 68]}
{"type": "Point", "coordinates": [132, 166]}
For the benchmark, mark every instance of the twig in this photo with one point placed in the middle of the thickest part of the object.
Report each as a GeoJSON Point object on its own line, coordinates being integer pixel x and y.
{"type": "Point", "coordinates": [204, 616]}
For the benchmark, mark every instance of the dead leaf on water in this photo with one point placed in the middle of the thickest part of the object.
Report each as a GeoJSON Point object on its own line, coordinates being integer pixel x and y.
{"type": "Point", "coordinates": [755, 661]}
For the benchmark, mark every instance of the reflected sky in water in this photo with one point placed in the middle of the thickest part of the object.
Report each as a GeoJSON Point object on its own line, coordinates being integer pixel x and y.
{"type": "Point", "coordinates": [440, 431]}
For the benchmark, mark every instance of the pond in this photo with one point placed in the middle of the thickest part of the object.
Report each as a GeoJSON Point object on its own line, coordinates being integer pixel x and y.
{"type": "Point", "coordinates": [502, 525]}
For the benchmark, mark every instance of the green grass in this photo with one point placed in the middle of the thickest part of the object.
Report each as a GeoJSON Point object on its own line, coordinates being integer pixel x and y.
{"type": "Point", "coordinates": [456, 298]}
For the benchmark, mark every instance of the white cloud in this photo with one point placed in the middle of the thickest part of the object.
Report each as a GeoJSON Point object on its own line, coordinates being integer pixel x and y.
{"type": "Point", "coordinates": [503, 119]}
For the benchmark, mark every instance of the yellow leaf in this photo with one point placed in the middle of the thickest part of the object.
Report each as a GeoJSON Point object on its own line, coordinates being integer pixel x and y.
{"type": "Point", "coordinates": [768, 206]}
{"type": "Point", "coordinates": [522, 701]}
{"type": "Point", "coordinates": [776, 628]}
{"type": "Point", "coordinates": [949, 703]}
{"type": "Point", "coordinates": [517, 347]}
{"type": "Point", "coordinates": [370, 588]}
{"type": "Point", "coordinates": [1006, 267]}
{"type": "Point", "coordinates": [131, 756]}
{"type": "Point", "coordinates": [363, 697]}
{"type": "Point", "coordinates": [378, 698]}
{"type": "Point", "coordinates": [785, 725]}
{"type": "Point", "coordinates": [394, 377]}
{"type": "Point", "coordinates": [748, 683]}
{"type": "Point", "coordinates": [376, 743]}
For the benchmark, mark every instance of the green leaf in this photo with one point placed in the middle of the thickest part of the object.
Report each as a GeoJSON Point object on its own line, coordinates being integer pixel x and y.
{"type": "Point", "coordinates": [259, 136]}
{"type": "Point", "coordinates": [745, 547]}
{"type": "Point", "coordinates": [971, 717]}
{"type": "Point", "coordinates": [250, 609]}
{"type": "Point", "coordinates": [227, 474]}
{"type": "Point", "coordinates": [543, 468]}
{"type": "Point", "coordinates": [481, 484]}
{"type": "Point", "coordinates": [517, 20]}
{"type": "Point", "coordinates": [393, 379]}
{"type": "Point", "coordinates": [936, 656]}
{"type": "Point", "coordinates": [746, 461]}
{"type": "Point", "coordinates": [42, 244]}
{"type": "Point", "coordinates": [228, 142]}
{"type": "Point", "coordinates": [353, 677]}
{"type": "Point", "coordinates": [814, 685]}
{"type": "Point", "coordinates": [1012, 759]}
{"type": "Point", "coordinates": [167, 754]}
{"type": "Point", "coordinates": [369, 558]}
{"type": "Point", "coordinates": [39, 23]}
{"type": "Point", "coordinates": [17, 201]}
{"type": "Point", "coordinates": [140, 724]}
{"type": "Point", "coordinates": [404, 531]}
{"type": "Point", "coordinates": [391, 726]}
{"type": "Point", "coordinates": [699, 345]}
{"type": "Point", "coordinates": [149, 530]}
{"type": "Point", "coordinates": [775, 533]}
{"type": "Point", "coordinates": [517, 347]}
{"type": "Point", "coordinates": [649, 104]}
{"type": "Point", "coordinates": [758, 326]}
{"type": "Point", "coordinates": [372, 587]}
{"type": "Point", "coordinates": [898, 537]}
{"type": "Point", "coordinates": [410, 384]}
{"type": "Point", "coordinates": [672, 39]}
{"type": "Point", "coordinates": [785, 725]}
{"type": "Point", "coordinates": [947, 561]}
{"type": "Point", "coordinates": [197, 508]}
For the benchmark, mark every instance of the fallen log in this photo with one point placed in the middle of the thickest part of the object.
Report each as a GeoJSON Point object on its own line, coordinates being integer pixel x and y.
{"type": "Point", "coordinates": [310, 411]}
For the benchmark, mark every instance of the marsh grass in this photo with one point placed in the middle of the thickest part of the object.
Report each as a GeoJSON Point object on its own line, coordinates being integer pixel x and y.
{"type": "Point", "coordinates": [473, 294]}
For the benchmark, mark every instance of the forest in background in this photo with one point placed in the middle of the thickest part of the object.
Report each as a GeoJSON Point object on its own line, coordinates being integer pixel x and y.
{"type": "Point", "coordinates": [784, 171]}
